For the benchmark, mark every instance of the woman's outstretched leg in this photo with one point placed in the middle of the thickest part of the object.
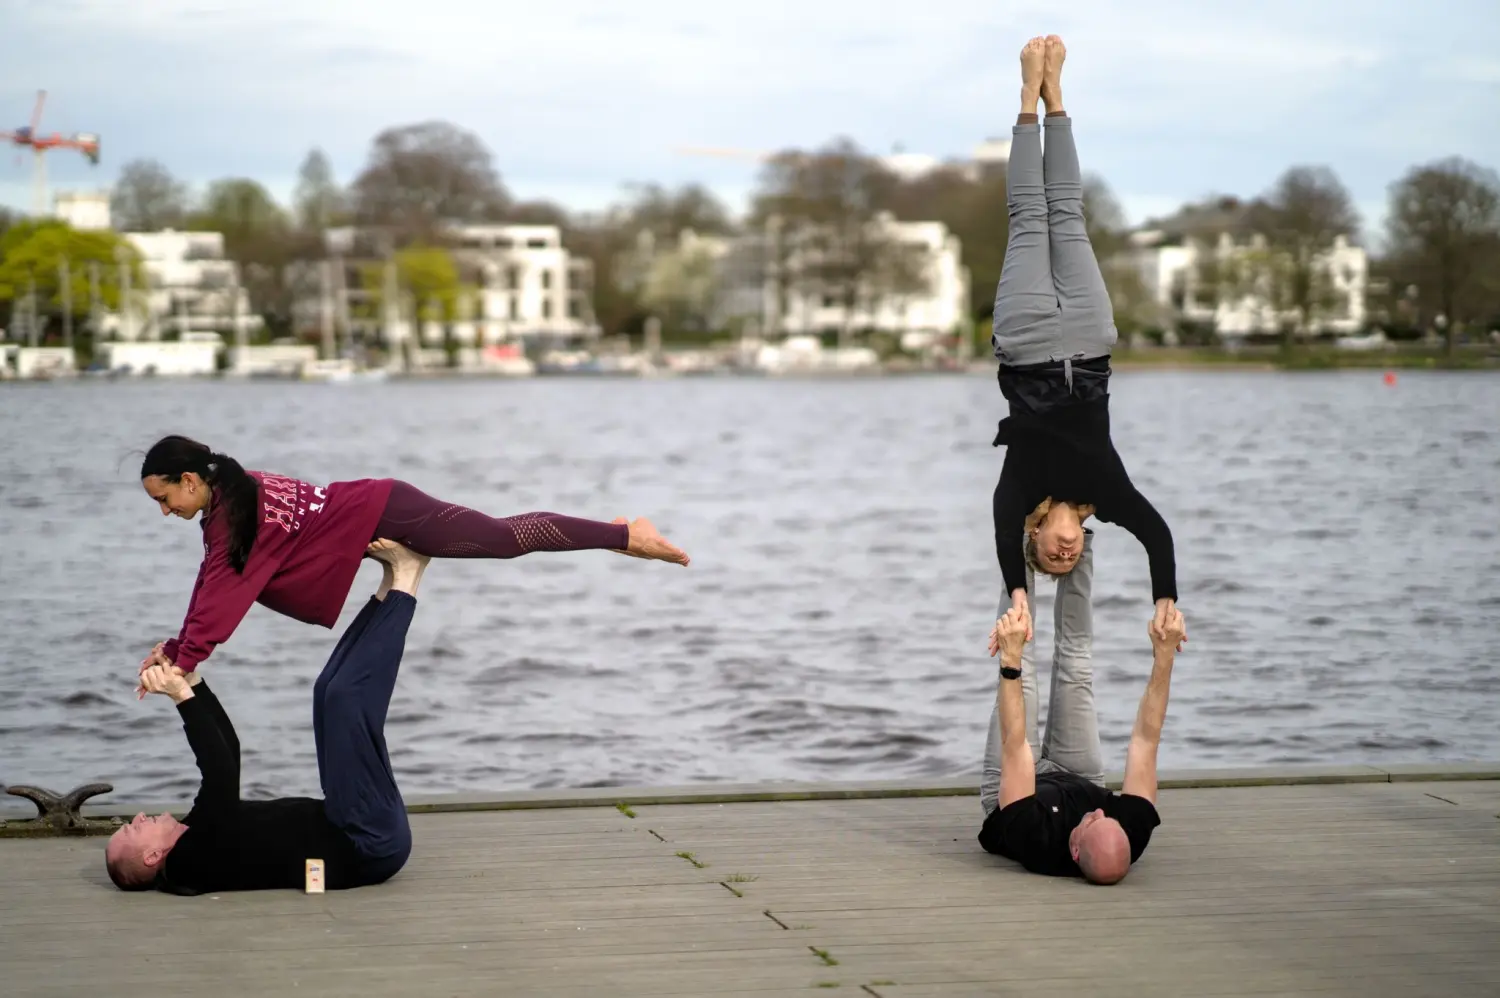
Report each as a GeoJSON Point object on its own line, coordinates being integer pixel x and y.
{"type": "Point", "coordinates": [1026, 308]}
{"type": "Point", "coordinates": [440, 529]}
{"type": "Point", "coordinates": [1088, 326]}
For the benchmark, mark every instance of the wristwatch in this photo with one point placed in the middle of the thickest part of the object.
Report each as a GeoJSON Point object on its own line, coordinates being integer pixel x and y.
{"type": "Point", "coordinates": [1006, 672]}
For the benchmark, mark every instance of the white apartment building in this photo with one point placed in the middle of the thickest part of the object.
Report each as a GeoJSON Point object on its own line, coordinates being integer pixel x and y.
{"type": "Point", "coordinates": [1172, 267]}
{"type": "Point", "coordinates": [190, 286]}
{"type": "Point", "coordinates": [526, 284]}
{"type": "Point", "coordinates": [86, 211]}
{"type": "Point", "coordinates": [530, 284]}
{"type": "Point", "coordinates": [785, 300]}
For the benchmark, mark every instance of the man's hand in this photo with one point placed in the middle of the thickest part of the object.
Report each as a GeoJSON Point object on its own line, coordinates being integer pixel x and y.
{"type": "Point", "coordinates": [1010, 635]}
{"type": "Point", "coordinates": [168, 680]}
{"type": "Point", "coordinates": [1165, 608]}
{"type": "Point", "coordinates": [1172, 632]}
{"type": "Point", "coordinates": [1018, 604]}
{"type": "Point", "coordinates": [157, 657]}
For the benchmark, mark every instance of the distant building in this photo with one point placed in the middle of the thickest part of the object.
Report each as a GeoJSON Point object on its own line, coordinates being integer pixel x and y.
{"type": "Point", "coordinates": [530, 283]}
{"type": "Point", "coordinates": [1177, 257]}
{"type": "Point", "coordinates": [190, 286]}
{"type": "Point", "coordinates": [526, 284]}
{"type": "Point", "coordinates": [771, 282]}
{"type": "Point", "coordinates": [87, 211]}
{"type": "Point", "coordinates": [989, 158]}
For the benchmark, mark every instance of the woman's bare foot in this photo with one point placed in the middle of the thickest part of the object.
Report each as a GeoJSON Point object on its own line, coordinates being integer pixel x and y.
{"type": "Point", "coordinates": [403, 567]}
{"type": "Point", "coordinates": [1052, 74]}
{"type": "Point", "coordinates": [1033, 59]}
{"type": "Point", "coordinates": [647, 542]}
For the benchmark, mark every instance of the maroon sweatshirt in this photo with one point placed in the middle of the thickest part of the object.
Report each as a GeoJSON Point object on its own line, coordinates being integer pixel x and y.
{"type": "Point", "coordinates": [306, 554]}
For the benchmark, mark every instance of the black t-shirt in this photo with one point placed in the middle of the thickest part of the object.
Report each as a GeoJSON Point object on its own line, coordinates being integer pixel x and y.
{"type": "Point", "coordinates": [245, 845]}
{"type": "Point", "coordinates": [1034, 830]}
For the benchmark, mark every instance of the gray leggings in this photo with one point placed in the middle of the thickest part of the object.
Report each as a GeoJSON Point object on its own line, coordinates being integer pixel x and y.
{"type": "Point", "coordinates": [1051, 303]}
{"type": "Point", "coordinates": [1072, 743]}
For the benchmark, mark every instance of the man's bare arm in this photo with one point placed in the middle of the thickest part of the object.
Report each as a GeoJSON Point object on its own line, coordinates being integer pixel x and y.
{"type": "Point", "coordinates": [1017, 766]}
{"type": "Point", "coordinates": [1151, 715]}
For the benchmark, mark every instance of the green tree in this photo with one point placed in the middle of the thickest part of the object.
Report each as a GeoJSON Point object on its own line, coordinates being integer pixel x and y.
{"type": "Point", "coordinates": [1299, 219]}
{"type": "Point", "coordinates": [665, 213]}
{"type": "Point", "coordinates": [682, 285]}
{"type": "Point", "coordinates": [973, 207]}
{"type": "Point", "coordinates": [32, 254]}
{"type": "Point", "coordinates": [1444, 239]}
{"type": "Point", "coordinates": [147, 198]}
{"type": "Point", "coordinates": [260, 237]}
{"type": "Point", "coordinates": [421, 176]}
{"type": "Point", "coordinates": [829, 204]}
{"type": "Point", "coordinates": [319, 203]}
{"type": "Point", "coordinates": [427, 273]}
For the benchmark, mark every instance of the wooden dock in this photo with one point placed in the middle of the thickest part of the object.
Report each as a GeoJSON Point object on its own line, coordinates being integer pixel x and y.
{"type": "Point", "coordinates": [1340, 882]}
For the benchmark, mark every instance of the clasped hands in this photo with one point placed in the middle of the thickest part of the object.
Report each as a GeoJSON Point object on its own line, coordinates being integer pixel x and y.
{"type": "Point", "coordinates": [1018, 619]}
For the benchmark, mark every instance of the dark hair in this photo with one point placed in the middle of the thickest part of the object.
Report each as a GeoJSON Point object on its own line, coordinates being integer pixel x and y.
{"type": "Point", "coordinates": [172, 457]}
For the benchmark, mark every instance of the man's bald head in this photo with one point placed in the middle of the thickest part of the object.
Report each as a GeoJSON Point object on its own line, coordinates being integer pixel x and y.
{"type": "Point", "coordinates": [1101, 848]}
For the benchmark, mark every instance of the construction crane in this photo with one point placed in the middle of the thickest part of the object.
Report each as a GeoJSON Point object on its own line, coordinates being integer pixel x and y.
{"type": "Point", "coordinates": [28, 136]}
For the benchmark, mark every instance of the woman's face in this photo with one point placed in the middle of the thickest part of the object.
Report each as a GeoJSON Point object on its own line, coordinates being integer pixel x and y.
{"type": "Point", "coordinates": [1059, 540]}
{"type": "Point", "coordinates": [184, 498]}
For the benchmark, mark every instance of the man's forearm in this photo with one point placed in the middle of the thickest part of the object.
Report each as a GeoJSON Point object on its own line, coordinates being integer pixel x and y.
{"type": "Point", "coordinates": [1012, 704]}
{"type": "Point", "coordinates": [1152, 713]}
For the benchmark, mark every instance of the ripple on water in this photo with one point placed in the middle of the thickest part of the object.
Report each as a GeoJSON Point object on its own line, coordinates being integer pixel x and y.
{"type": "Point", "coordinates": [843, 574]}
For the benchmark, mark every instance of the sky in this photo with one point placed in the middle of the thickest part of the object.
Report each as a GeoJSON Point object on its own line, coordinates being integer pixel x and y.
{"type": "Point", "coordinates": [1172, 100]}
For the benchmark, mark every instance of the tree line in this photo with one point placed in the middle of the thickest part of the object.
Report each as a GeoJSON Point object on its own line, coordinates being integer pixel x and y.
{"type": "Point", "coordinates": [1440, 264]}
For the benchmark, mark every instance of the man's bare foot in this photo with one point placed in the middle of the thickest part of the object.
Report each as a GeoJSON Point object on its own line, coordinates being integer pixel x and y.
{"type": "Point", "coordinates": [403, 566]}
{"type": "Point", "coordinates": [647, 542]}
{"type": "Point", "coordinates": [1033, 59]}
{"type": "Point", "coordinates": [1052, 74]}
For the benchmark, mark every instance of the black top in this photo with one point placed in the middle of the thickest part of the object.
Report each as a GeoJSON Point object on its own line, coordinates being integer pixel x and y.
{"type": "Point", "coordinates": [1034, 830]}
{"type": "Point", "coordinates": [1058, 446]}
{"type": "Point", "coordinates": [245, 845]}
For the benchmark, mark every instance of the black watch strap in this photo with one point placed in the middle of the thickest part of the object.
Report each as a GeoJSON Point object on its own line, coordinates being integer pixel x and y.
{"type": "Point", "coordinates": [1006, 672]}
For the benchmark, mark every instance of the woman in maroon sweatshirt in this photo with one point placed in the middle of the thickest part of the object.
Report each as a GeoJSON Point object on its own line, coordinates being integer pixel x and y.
{"type": "Point", "coordinates": [296, 547]}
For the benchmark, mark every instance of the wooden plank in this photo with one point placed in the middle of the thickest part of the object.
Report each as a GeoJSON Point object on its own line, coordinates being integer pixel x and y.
{"type": "Point", "coordinates": [1348, 889]}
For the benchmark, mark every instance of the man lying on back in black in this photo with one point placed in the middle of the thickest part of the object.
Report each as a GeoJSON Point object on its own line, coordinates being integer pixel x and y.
{"type": "Point", "coordinates": [359, 830]}
{"type": "Point", "coordinates": [1056, 822]}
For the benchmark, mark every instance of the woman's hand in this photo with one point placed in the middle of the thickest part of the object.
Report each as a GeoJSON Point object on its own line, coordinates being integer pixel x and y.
{"type": "Point", "coordinates": [1159, 623]}
{"type": "Point", "coordinates": [168, 680]}
{"type": "Point", "coordinates": [1019, 607]}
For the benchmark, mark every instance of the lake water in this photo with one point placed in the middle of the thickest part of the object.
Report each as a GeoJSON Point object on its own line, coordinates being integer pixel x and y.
{"type": "Point", "coordinates": [1338, 563]}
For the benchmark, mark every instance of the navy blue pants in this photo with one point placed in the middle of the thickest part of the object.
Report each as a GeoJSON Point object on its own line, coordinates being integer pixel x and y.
{"type": "Point", "coordinates": [350, 702]}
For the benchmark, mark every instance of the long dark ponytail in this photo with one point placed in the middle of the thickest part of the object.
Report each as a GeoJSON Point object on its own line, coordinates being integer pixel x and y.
{"type": "Point", "coordinates": [172, 457]}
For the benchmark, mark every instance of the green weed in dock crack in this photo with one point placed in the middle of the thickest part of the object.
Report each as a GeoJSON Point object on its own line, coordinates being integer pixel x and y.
{"type": "Point", "coordinates": [827, 984]}
{"type": "Point", "coordinates": [823, 954]}
{"type": "Point", "coordinates": [624, 809]}
{"type": "Point", "coordinates": [689, 857]}
{"type": "Point", "coordinates": [740, 878]}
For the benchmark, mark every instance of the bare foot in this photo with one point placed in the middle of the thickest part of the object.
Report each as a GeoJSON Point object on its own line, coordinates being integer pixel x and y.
{"type": "Point", "coordinates": [647, 542]}
{"type": "Point", "coordinates": [403, 566]}
{"type": "Point", "coordinates": [1033, 59]}
{"type": "Point", "coordinates": [1052, 74]}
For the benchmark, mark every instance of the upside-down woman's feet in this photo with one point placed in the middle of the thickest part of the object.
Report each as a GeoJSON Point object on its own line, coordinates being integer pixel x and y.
{"type": "Point", "coordinates": [1052, 64]}
{"type": "Point", "coordinates": [1033, 65]}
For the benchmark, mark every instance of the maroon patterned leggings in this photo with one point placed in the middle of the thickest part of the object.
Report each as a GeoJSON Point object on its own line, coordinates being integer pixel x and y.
{"type": "Point", "coordinates": [443, 530]}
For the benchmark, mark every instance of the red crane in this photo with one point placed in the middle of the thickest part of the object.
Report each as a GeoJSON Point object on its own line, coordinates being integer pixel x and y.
{"type": "Point", "coordinates": [28, 136]}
